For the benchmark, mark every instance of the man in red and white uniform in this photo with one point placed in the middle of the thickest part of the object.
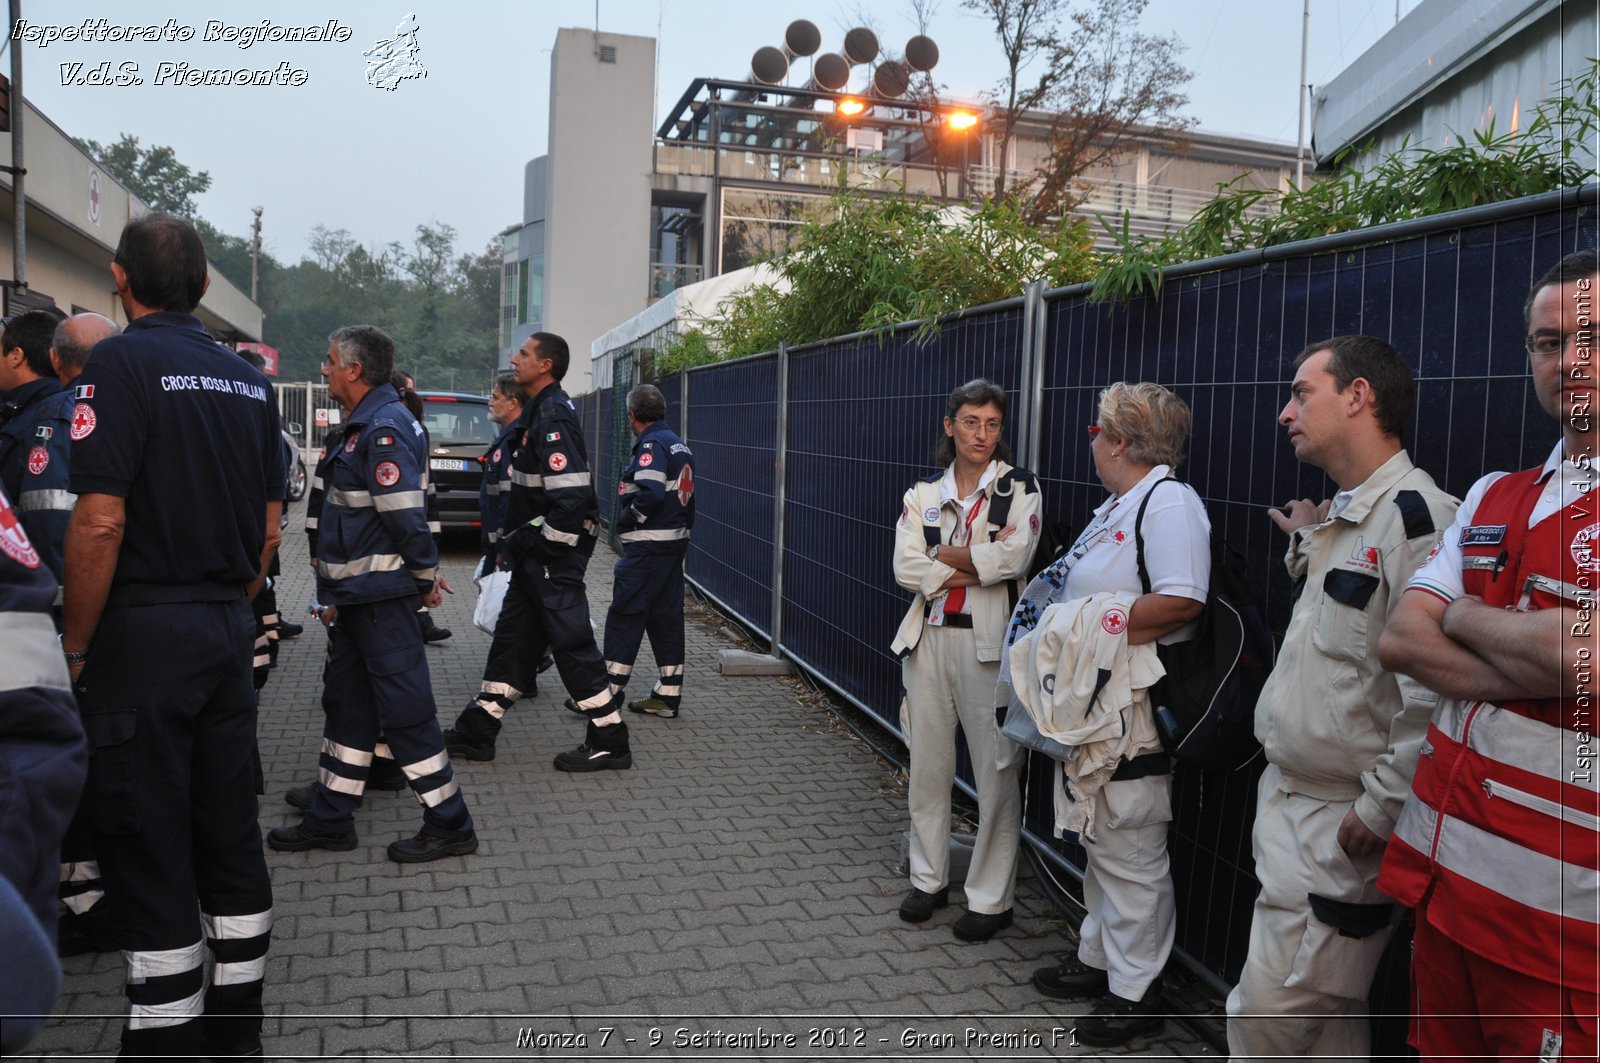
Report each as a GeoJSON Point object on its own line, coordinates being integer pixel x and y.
{"type": "Point", "coordinates": [1498, 846]}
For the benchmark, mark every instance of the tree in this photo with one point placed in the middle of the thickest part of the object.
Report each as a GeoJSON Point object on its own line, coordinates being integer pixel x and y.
{"type": "Point", "coordinates": [1102, 79]}
{"type": "Point", "coordinates": [1109, 82]}
{"type": "Point", "coordinates": [154, 175]}
{"type": "Point", "coordinates": [1027, 31]}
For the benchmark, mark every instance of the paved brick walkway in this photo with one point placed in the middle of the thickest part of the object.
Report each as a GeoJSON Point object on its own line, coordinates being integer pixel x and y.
{"type": "Point", "coordinates": [740, 882]}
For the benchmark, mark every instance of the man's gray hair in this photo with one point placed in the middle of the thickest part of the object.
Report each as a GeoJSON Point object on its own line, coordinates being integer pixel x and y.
{"type": "Point", "coordinates": [647, 404]}
{"type": "Point", "coordinates": [73, 351]}
{"type": "Point", "coordinates": [505, 382]}
{"type": "Point", "coordinates": [368, 345]}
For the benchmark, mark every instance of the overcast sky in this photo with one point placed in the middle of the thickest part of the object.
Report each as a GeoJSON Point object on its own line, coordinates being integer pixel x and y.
{"type": "Point", "coordinates": [451, 147]}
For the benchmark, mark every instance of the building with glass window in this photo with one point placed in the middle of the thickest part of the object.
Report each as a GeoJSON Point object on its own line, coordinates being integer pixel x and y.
{"type": "Point", "coordinates": [617, 215]}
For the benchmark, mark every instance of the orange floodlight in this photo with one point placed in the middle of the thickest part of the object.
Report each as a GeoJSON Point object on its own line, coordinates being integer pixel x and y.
{"type": "Point", "coordinates": [850, 107]}
{"type": "Point", "coordinates": [961, 120]}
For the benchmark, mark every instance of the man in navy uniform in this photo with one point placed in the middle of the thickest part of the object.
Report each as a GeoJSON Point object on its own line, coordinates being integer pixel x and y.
{"type": "Point", "coordinates": [34, 443]}
{"type": "Point", "coordinates": [506, 401]}
{"type": "Point", "coordinates": [655, 510]}
{"type": "Point", "coordinates": [88, 919]}
{"type": "Point", "coordinates": [175, 462]}
{"type": "Point", "coordinates": [375, 555]}
{"type": "Point", "coordinates": [548, 537]}
{"type": "Point", "coordinates": [42, 762]}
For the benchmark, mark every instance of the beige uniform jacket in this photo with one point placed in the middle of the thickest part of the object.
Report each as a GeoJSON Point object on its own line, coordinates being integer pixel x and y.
{"type": "Point", "coordinates": [1337, 725]}
{"type": "Point", "coordinates": [998, 563]}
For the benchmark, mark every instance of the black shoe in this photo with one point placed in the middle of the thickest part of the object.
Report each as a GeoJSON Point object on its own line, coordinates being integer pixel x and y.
{"type": "Point", "coordinates": [1115, 1021]}
{"type": "Point", "coordinates": [287, 630]}
{"type": "Point", "coordinates": [654, 706]}
{"type": "Point", "coordinates": [92, 931]}
{"type": "Point", "coordinates": [297, 837]}
{"type": "Point", "coordinates": [427, 846]}
{"type": "Point", "coordinates": [1071, 978]}
{"type": "Point", "coordinates": [572, 706]}
{"type": "Point", "coordinates": [546, 662]}
{"type": "Point", "coordinates": [386, 775]}
{"type": "Point", "coordinates": [301, 797]}
{"type": "Point", "coordinates": [592, 758]}
{"type": "Point", "coordinates": [436, 634]}
{"type": "Point", "coordinates": [918, 907]}
{"type": "Point", "coordinates": [975, 926]}
{"type": "Point", "coordinates": [459, 745]}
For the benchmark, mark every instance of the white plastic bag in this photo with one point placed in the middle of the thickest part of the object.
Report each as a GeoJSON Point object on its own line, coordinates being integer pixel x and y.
{"type": "Point", "coordinates": [491, 595]}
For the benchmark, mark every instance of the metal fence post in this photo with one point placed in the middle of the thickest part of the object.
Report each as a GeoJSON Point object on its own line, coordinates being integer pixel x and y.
{"type": "Point", "coordinates": [780, 467]}
{"type": "Point", "coordinates": [1034, 334]}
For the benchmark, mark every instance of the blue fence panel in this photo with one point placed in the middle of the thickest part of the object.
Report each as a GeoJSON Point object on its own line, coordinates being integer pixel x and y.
{"type": "Point", "coordinates": [732, 429]}
{"type": "Point", "coordinates": [864, 418]}
{"type": "Point", "coordinates": [1450, 301]}
{"type": "Point", "coordinates": [672, 391]}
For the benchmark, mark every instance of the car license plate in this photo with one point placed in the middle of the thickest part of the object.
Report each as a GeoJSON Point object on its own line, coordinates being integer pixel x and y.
{"type": "Point", "coordinates": [447, 464]}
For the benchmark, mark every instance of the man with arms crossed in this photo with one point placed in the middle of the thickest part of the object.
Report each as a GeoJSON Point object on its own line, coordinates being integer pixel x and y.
{"type": "Point", "coordinates": [1498, 844]}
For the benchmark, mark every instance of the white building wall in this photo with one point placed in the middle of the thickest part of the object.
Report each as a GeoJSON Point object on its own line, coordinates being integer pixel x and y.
{"type": "Point", "coordinates": [597, 214]}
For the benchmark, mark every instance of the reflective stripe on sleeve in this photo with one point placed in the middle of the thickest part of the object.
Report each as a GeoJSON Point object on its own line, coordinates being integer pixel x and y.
{"type": "Point", "coordinates": [32, 656]}
{"type": "Point", "coordinates": [655, 475]}
{"type": "Point", "coordinates": [656, 535]}
{"type": "Point", "coordinates": [566, 479]}
{"type": "Point", "coordinates": [399, 500]}
{"type": "Point", "coordinates": [361, 566]}
{"type": "Point", "coordinates": [350, 499]}
{"type": "Point", "coordinates": [565, 538]}
{"type": "Point", "coordinates": [39, 501]}
{"type": "Point", "coordinates": [527, 479]}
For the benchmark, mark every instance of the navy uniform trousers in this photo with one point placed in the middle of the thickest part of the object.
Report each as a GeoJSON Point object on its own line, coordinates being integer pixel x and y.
{"type": "Point", "coordinates": [376, 681]}
{"type": "Point", "coordinates": [546, 608]}
{"type": "Point", "coordinates": [647, 598]}
{"type": "Point", "coordinates": [170, 714]}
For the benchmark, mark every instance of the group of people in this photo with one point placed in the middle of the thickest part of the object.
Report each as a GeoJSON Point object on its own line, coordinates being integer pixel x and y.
{"type": "Point", "coordinates": [132, 621]}
{"type": "Point", "coordinates": [1426, 726]}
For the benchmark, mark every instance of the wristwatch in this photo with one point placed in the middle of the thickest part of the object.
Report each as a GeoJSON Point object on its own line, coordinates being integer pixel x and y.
{"type": "Point", "coordinates": [933, 552]}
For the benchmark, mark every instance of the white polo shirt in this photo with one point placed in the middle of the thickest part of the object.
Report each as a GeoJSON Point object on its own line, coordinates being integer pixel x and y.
{"type": "Point", "coordinates": [1177, 546]}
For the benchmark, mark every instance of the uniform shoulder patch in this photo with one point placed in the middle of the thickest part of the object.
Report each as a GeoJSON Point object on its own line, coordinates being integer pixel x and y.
{"type": "Point", "coordinates": [385, 440]}
{"type": "Point", "coordinates": [82, 422]}
{"type": "Point", "coordinates": [13, 540]}
{"type": "Point", "coordinates": [1414, 512]}
{"type": "Point", "coordinates": [646, 459]}
{"type": "Point", "coordinates": [387, 474]}
{"type": "Point", "coordinates": [558, 461]}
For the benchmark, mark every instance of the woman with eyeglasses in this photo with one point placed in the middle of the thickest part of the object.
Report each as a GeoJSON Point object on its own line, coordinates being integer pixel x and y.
{"type": "Point", "coordinates": [1136, 443]}
{"type": "Point", "coordinates": [962, 547]}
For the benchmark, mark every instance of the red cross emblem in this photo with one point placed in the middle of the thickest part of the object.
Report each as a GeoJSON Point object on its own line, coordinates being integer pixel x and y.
{"type": "Point", "coordinates": [13, 540]}
{"type": "Point", "coordinates": [1114, 620]}
{"type": "Point", "coordinates": [38, 461]}
{"type": "Point", "coordinates": [82, 421]}
{"type": "Point", "coordinates": [685, 485]}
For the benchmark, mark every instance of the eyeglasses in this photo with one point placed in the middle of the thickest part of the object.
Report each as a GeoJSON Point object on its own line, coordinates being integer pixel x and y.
{"type": "Point", "coordinates": [1548, 343]}
{"type": "Point", "coordinates": [971, 424]}
{"type": "Point", "coordinates": [1095, 430]}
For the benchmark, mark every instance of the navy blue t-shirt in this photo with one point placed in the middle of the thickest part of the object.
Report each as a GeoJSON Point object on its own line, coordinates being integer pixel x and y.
{"type": "Point", "coordinates": [187, 432]}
